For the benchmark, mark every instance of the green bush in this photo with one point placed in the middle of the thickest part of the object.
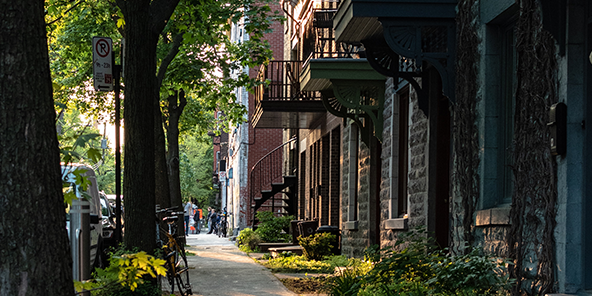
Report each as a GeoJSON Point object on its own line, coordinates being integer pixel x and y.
{"type": "Point", "coordinates": [289, 262]}
{"type": "Point", "coordinates": [316, 246]}
{"type": "Point", "coordinates": [248, 240]}
{"type": "Point", "coordinates": [270, 227]}
{"type": "Point", "coordinates": [130, 273]}
{"type": "Point", "coordinates": [421, 269]}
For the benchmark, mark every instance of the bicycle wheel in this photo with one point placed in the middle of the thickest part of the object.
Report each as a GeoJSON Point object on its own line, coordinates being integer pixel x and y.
{"type": "Point", "coordinates": [171, 258]}
{"type": "Point", "coordinates": [223, 229]}
{"type": "Point", "coordinates": [182, 272]}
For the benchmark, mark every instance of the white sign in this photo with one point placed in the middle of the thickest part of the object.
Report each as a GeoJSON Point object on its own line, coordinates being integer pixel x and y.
{"type": "Point", "coordinates": [102, 63]}
{"type": "Point", "coordinates": [222, 174]}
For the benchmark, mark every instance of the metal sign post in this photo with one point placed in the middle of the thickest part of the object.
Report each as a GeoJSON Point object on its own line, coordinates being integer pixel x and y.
{"type": "Point", "coordinates": [103, 63]}
{"type": "Point", "coordinates": [106, 75]}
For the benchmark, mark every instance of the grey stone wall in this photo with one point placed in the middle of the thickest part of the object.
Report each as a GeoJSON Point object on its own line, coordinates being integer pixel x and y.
{"type": "Point", "coordinates": [355, 241]}
{"type": "Point", "coordinates": [417, 192]}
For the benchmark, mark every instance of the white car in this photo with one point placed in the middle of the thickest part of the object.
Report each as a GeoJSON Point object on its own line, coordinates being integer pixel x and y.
{"type": "Point", "coordinates": [97, 255]}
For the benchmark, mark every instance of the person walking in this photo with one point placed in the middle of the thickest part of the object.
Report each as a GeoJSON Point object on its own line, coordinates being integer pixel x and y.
{"type": "Point", "coordinates": [213, 221]}
{"type": "Point", "coordinates": [188, 208]}
{"type": "Point", "coordinates": [208, 220]}
{"type": "Point", "coordinates": [197, 218]}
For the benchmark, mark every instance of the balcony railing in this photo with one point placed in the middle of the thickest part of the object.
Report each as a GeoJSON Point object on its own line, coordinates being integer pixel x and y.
{"type": "Point", "coordinates": [282, 83]}
{"type": "Point", "coordinates": [319, 37]}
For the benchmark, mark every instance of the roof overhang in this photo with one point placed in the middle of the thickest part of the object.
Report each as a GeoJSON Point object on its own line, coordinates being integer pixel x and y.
{"type": "Point", "coordinates": [357, 20]}
{"type": "Point", "coordinates": [318, 73]}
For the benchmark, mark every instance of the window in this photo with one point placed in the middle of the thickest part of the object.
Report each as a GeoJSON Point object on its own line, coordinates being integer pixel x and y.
{"type": "Point", "coordinates": [403, 147]}
{"type": "Point", "coordinates": [352, 184]}
{"type": "Point", "coordinates": [399, 161]}
{"type": "Point", "coordinates": [496, 116]}
{"type": "Point", "coordinates": [507, 105]}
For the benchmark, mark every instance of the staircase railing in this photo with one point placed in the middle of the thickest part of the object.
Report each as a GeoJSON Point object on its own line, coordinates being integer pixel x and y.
{"type": "Point", "coordinates": [268, 170]}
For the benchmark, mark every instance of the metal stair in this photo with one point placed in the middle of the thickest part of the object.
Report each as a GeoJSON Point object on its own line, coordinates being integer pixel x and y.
{"type": "Point", "coordinates": [268, 179]}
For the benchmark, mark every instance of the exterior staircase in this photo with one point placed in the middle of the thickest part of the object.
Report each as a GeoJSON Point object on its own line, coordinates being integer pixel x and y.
{"type": "Point", "coordinates": [273, 183]}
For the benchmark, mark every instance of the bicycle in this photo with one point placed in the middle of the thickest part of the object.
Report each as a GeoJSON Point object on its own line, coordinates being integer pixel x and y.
{"type": "Point", "coordinates": [222, 227]}
{"type": "Point", "coordinates": [173, 253]}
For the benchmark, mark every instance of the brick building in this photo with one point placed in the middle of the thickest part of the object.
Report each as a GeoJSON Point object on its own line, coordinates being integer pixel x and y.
{"type": "Point", "coordinates": [246, 145]}
{"type": "Point", "coordinates": [443, 114]}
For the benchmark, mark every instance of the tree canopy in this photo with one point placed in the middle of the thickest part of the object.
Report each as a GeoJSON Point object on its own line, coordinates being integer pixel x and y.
{"type": "Point", "coordinates": [178, 59]}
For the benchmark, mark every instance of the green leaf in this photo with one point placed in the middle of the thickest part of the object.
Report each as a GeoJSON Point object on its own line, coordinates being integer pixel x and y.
{"type": "Point", "coordinates": [94, 154]}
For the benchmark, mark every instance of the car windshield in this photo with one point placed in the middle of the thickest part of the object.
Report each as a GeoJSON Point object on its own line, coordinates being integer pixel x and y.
{"type": "Point", "coordinates": [104, 208]}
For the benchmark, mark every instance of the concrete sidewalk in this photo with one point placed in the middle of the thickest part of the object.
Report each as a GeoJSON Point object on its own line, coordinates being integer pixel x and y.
{"type": "Point", "coordinates": [220, 268]}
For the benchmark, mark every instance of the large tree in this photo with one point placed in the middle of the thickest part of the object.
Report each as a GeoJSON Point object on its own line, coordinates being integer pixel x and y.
{"type": "Point", "coordinates": [174, 51]}
{"type": "Point", "coordinates": [34, 253]}
{"type": "Point", "coordinates": [144, 21]}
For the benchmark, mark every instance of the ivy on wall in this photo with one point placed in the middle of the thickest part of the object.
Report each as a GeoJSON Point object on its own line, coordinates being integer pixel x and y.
{"type": "Point", "coordinates": [534, 199]}
{"type": "Point", "coordinates": [465, 177]}
{"type": "Point", "coordinates": [530, 240]}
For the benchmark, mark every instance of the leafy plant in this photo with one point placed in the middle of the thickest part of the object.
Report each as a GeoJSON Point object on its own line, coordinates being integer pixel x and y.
{"type": "Point", "coordinates": [248, 240]}
{"type": "Point", "coordinates": [415, 267]}
{"type": "Point", "coordinates": [471, 273]}
{"type": "Point", "coordinates": [316, 246]}
{"type": "Point", "coordinates": [290, 262]}
{"type": "Point", "coordinates": [125, 274]}
{"type": "Point", "coordinates": [348, 283]}
{"type": "Point", "coordinates": [270, 227]}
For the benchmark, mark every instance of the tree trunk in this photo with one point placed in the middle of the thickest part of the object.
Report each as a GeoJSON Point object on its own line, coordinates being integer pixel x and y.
{"type": "Point", "coordinates": [35, 254]}
{"type": "Point", "coordinates": [140, 92]}
{"type": "Point", "coordinates": [175, 111]}
{"type": "Point", "coordinates": [144, 20]}
{"type": "Point", "coordinates": [163, 194]}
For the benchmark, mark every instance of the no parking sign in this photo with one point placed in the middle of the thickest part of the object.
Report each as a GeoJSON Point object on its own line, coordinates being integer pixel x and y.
{"type": "Point", "coordinates": [103, 63]}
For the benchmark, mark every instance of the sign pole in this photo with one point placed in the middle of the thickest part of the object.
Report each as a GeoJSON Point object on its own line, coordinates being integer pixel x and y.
{"type": "Point", "coordinates": [106, 76]}
{"type": "Point", "coordinates": [118, 227]}
{"type": "Point", "coordinates": [117, 87]}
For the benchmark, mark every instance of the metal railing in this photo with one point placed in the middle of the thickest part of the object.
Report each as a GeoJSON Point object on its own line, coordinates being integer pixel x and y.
{"type": "Point", "coordinates": [319, 37]}
{"type": "Point", "coordinates": [269, 170]}
{"type": "Point", "coordinates": [282, 83]}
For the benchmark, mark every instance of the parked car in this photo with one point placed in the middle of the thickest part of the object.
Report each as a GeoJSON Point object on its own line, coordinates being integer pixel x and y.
{"type": "Point", "coordinates": [97, 255]}
{"type": "Point", "coordinates": [108, 222]}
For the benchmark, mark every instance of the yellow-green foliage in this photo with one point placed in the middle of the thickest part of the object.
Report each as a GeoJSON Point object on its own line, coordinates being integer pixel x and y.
{"type": "Point", "coordinates": [248, 240]}
{"type": "Point", "coordinates": [126, 270]}
{"type": "Point", "coordinates": [292, 263]}
{"type": "Point", "coordinates": [316, 246]}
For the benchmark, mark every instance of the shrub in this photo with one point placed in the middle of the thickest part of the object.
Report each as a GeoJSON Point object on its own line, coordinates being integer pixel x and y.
{"type": "Point", "coordinates": [347, 283]}
{"type": "Point", "coordinates": [248, 240]}
{"type": "Point", "coordinates": [298, 264]}
{"type": "Point", "coordinates": [270, 227]}
{"type": "Point", "coordinates": [421, 269]}
{"type": "Point", "coordinates": [289, 262]}
{"type": "Point", "coordinates": [316, 246]}
{"type": "Point", "coordinates": [126, 275]}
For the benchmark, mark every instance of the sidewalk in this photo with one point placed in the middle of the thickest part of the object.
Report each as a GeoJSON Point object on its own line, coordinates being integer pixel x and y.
{"type": "Point", "coordinates": [220, 268]}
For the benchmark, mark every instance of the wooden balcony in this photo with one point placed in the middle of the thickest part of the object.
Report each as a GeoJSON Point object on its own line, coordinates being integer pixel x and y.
{"type": "Point", "coordinates": [280, 102]}
{"type": "Point", "coordinates": [357, 20]}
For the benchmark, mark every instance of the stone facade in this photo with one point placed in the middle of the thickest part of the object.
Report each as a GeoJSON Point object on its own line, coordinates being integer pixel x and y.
{"type": "Point", "coordinates": [417, 193]}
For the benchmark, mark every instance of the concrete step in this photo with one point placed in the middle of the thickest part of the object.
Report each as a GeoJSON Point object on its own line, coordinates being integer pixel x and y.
{"type": "Point", "coordinates": [275, 252]}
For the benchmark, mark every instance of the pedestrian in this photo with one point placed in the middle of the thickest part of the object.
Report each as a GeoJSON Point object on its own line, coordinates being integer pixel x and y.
{"type": "Point", "coordinates": [208, 220]}
{"type": "Point", "coordinates": [213, 221]}
{"type": "Point", "coordinates": [187, 212]}
{"type": "Point", "coordinates": [193, 218]}
{"type": "Point", "coordinates": [197, 218]}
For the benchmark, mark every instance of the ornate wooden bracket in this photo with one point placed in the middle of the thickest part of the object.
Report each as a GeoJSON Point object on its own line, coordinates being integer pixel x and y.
{"type": "Point", "coordinates": [405, 48]}
{"type": "Point", "coordinates": [361, 101]}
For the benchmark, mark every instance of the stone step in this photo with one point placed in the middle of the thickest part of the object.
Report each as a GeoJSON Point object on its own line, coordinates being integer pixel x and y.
{"type": "Point", "coordinates": [275, 252]}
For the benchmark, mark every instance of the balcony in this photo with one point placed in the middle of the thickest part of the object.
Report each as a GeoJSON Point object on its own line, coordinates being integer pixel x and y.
{"type": "Point", "coordinates": [280, 102]}
{"type": "Point", "coordinates": [357, 20]}
{"type": "Point", "coordinates": [399, 33]}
